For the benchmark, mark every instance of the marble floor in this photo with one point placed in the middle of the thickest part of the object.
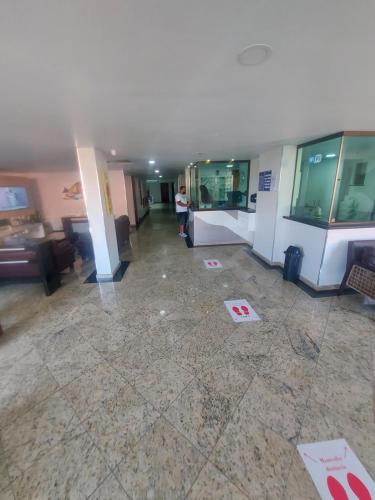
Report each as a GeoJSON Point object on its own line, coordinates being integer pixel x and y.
{"type": "Point", "coordinates": [146, 389]}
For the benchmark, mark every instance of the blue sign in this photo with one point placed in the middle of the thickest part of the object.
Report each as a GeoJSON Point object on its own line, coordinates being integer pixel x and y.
{"type": "Point", "coordinates": [265, 179]}
{"type": "Point", "coordinates": [313, 160]}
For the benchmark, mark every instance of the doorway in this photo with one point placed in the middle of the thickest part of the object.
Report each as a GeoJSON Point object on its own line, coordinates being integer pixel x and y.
{"type": "Point", "coordinates": [164, 192]}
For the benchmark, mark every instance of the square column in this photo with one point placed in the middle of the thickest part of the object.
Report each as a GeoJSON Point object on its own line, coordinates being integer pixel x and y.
{"type": "Point", "coordinates": [94, 176]}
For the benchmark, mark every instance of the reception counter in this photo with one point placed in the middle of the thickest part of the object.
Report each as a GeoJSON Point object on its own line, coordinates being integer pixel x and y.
{"type": "Point", "coordinates": [221, 227]}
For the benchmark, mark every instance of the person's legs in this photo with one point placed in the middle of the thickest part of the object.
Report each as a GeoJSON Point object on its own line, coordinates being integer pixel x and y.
{"type": "Point", "coordinates": [181, 218]}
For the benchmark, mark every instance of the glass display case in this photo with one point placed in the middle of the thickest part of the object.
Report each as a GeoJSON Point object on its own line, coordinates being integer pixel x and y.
{"type": "Point", "coordinates": [216, 185]}
{"type": "Point", "coordinates": [335, 179]}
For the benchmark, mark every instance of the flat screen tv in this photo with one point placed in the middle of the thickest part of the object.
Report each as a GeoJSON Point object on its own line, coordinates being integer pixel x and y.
{"type": "Point", "coordinates": [13, 198]}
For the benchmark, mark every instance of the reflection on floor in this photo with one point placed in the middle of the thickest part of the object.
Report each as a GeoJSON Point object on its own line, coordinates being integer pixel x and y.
{"type": "Point", "coordinates": [147, 389]}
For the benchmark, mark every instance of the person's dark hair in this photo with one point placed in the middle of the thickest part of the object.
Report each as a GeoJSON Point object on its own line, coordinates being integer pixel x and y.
{"type": "Point", "coordinates": [182, 187]}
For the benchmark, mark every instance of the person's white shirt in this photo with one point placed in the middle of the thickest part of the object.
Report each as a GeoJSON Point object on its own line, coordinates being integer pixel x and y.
{"type": "Point", "coordinates": [183, 199]}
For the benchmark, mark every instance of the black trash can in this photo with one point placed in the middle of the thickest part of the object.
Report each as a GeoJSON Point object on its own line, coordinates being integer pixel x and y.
{"type": "Point", "coordinates": [292, 265]}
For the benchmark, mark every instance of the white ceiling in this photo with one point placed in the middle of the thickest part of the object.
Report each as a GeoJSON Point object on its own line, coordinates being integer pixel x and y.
{"type": "Point", "coordinates": [159, 78]}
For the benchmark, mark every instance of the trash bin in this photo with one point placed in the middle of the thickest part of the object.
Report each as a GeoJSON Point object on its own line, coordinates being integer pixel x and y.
{"type": "Point", "coordinates": [292, 265]}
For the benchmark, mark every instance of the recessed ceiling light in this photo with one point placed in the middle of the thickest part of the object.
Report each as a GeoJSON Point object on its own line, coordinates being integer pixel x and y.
{"type": "Point", "coordinates": [151, 162]}
{"type": "Point", "coordinates": [208, 161]}
{"type": "Point", "coordinates": [191, 164]}
{"type": "Point", "coordinates": [232, 159]}
{"type": "Point", "coordinates": [113, 152]}
{"type": "Point", "coordinates": [157, 171]}
{"type": "Point", "coordinates": [160, 176]}
{"type": "Point", "coordinates": [253, 55]}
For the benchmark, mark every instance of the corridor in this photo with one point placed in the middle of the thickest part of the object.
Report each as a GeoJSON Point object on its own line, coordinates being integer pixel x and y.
{"type": "Point", "coordinates": [147, 389]}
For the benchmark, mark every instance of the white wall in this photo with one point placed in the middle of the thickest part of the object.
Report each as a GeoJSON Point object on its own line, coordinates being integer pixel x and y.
{"type": "Point", "coordinates": [266, 210]}
{"type": "Point", "coordinates": [334, 260]}
{"type": "Point", "coordinates": [253, 180]}
{"type": "Point", "coordinates": [222, 227]}
{"type": "Point", "coordinates": [118, 192]}
{"type": "Point", "coordinates": [310, 239]}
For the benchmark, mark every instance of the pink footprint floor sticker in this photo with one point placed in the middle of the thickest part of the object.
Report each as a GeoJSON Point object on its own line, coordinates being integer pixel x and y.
{"type": "Point", "coordinates": [212, 264]}
{"type": "Point", "coordinates": [240, 311]}
{"type": "Point", "coordinates": [336, 471]}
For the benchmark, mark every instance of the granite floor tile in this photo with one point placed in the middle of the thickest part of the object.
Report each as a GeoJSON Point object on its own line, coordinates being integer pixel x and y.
{"type": "Point", "coordinates": [162, 382]}
{"type": "Point", "coordinates": [73, 469]}
{"type": "Point", "coordinates": [299, 484]}
{"type": "Point", "coordinates": [110, 489]}
{"type": "Point", "coordinates": [354, 360]}
{"type": "Point", "coordinates": [200, 414]}
{"type": "Point", "coordinates": [90, 391]}
{"type": "Point", "coordinates": [227, 375]}
{"type": "Point", "coordinates": [192, 353]}
{"type": "Point", "coordinates": [55, 343]}
{"type": "Point", "coordinates": [346, 395]}
{"type": "Point", "coordinates": [4, 477]}
{"type": "Point", "coordinates": [119, 423]}
{"type": "Point", "coordinates": [294, 367]}
{"type": "Point", "coordinates": [212, 484]}
{"type": "Point", "coordinates": [108, 339]}
{"type": "Point", "coordinates": [134, 359]}
{"type": "Point", "coordinates": [253, 456]}
{"type": "Point", "coordinates": [166, 332]}
{"type": "Point", "coordinates": [22, 386]}
{"type": "Point", "coordinates": [71, 363]}
{"type": "Point", "coordinates": [7, 494]}
{"type": "Point", "coordinates": [277, 405]}
{"type": "Point", "coordinates": [162, 465]}
{"type": "Point", "coordinates": [33, 434]}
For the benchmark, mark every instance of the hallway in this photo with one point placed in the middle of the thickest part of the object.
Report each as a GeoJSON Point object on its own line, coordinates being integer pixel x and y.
{"type": "Point", "coordinates": [146, 389]}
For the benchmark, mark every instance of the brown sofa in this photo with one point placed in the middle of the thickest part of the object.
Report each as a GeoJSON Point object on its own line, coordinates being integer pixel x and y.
{"type": "Point", "coordinates": [42, 261]}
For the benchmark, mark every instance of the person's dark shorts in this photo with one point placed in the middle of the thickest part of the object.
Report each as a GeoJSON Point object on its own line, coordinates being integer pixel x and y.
{"type": "Point", "coordinates": [182, 218]}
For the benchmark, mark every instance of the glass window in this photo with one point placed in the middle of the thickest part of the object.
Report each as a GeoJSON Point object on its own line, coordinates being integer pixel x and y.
{"type": "Point", "coordinates": [315, 179]}
{"type": "Point", "coordinates": [355, 191]}
{"type": "Point", "coordinates": [220, 184]}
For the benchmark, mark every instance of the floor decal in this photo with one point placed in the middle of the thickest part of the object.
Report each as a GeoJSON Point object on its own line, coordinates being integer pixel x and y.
{"type": "Point", "coordinates": [212, 264]}
{"type": "Point", "coordinates": [241, 310]}
{"type": "Point", "coordinates": [336, 471]}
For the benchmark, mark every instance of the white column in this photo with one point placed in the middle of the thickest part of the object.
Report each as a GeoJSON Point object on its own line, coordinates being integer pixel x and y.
{"type": "Point", "coordinates": [273, 205]}
{"type": "Point", "coordinates": [94, 176]}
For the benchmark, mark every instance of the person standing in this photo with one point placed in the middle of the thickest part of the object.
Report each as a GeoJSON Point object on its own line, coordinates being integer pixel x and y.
{"type": "Point", "coordinates": [182, 205]}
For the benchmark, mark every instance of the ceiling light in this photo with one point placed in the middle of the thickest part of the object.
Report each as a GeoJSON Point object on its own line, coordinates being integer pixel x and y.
{"type": "Point", "coordinates": [229, 166]}
{"type": "Point", "coordinates": [331, 155]}
{"type": "Point", "coordinates": [160, 176]}
{"type": "Point", "coordinates": [253, 55]}
{"type": "Point", "coordinates": [191, 164]}
{"type": "Point", "coordinates": [232, 159]}
{"type": "Point", "coordinates": [151, 162]}
{"type": "Point", "coordinates": [157, 171]}
{"type": "Point", "coordinates": [208, 161]}
{"type": "Point", "coordinates": [113, 152]}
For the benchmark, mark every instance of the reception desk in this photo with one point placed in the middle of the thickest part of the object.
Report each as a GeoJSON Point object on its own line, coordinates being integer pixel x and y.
{"type": "Point", "coordinates": [221, 227]}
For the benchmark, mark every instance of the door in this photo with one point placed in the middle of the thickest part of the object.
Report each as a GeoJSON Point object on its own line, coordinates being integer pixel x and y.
{"type": "Point", "coordinates": [164, 192]}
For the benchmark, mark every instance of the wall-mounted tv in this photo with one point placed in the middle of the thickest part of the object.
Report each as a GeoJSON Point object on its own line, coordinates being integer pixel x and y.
{"type": "Point", "coordinates": [13, 198]}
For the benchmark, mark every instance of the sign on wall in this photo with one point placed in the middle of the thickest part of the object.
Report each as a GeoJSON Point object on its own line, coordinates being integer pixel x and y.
{"type": "Point", "coordinates": [265, 180]}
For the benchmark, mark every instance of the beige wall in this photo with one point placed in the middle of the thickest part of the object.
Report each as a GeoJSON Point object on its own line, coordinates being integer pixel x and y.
{"type": "Point", "coordinates": [49, 197]}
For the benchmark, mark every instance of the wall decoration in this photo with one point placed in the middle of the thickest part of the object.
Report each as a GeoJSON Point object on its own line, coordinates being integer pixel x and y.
{"type": "Point", "coordinates": [104, 188]}
{"type": "Point", "coordinates": [74, 192]}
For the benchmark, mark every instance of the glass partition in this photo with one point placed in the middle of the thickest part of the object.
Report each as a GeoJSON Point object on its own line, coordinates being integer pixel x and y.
{"type": "Point", "coordinates": [335, 179]}
{"type": "Point", "coordinates": [219, 185]}
{"type": "Point", "coordinates": [355, 191]}
{"type": "Point", "coordinates": [315, 179]}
